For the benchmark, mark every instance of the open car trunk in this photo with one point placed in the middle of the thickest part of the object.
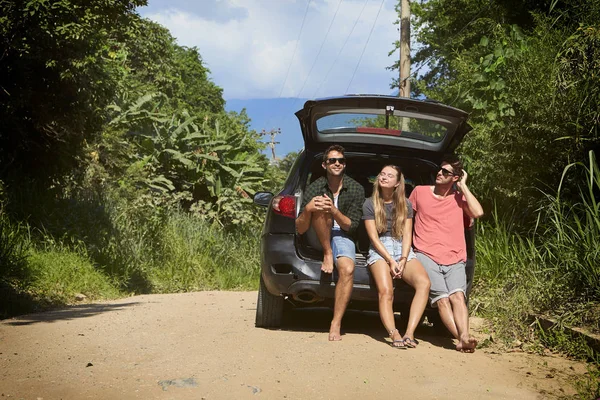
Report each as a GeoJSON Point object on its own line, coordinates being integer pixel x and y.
{"type": "Point", "coordinates": [389, 123]}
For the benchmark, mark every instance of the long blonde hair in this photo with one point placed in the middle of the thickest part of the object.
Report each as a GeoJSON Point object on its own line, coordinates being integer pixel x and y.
{"type": "Point", "coordinates": [399, 206]}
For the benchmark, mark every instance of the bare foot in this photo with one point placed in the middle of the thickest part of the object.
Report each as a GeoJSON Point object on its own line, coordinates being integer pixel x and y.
{"type": "Point", "coordinates": [327, 265]}
{"type": "Point", "coordinates": [467, 346]}
{"type": "Point", "coordinates": [334, 333]}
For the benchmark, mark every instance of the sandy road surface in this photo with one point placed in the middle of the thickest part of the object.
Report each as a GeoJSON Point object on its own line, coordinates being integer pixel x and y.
{"type": "Point", "coordinates": [205, 346]}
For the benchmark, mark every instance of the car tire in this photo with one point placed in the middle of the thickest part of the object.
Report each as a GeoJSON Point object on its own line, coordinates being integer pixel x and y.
{"type": "Point", "coordinates": [269, 308]}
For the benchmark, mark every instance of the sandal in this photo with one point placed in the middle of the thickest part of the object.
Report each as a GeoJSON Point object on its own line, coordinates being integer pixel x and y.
{"type": "Point", "coordinates": [398, 343]}
{"type": "Point", "coordinates": [410, 343]}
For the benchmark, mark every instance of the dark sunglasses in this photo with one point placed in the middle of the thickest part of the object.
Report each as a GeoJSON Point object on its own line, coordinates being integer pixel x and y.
{"type": "Point", "coordinates": [332, 160]}
{"type": "Point", "coordinates": [447, 173]}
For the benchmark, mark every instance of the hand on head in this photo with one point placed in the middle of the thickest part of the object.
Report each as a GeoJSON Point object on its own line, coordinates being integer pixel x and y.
{"type": "Point", "coordinates": [462, 180]}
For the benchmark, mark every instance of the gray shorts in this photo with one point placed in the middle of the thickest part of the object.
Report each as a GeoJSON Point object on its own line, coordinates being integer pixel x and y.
{"type": "Point", "coordinates": [342, 246]}
{"type": "Point", "coordinates": [445, 279]}
{"type": "Point", "coordinates": [393, 247]}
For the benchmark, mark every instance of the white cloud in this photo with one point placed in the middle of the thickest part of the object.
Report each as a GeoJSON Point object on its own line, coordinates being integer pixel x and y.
{"type": "Point", "coordinates": [248, 44]}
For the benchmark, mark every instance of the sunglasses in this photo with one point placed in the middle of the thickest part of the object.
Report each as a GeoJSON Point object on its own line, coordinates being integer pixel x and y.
{"type": "Point", "coordinates": [447, 173]}
{"type": "Point", "coordinates": [332, 160]}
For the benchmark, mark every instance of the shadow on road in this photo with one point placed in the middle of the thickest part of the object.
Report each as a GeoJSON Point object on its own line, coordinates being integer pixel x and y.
{"type": "Point", "coordinates": [360, 322]}
{"type": "Point", "coordinates": [69, 313]}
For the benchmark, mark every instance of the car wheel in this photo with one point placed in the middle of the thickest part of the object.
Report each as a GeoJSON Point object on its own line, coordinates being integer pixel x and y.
{"type": "Point", "coordinates": [269, 308]}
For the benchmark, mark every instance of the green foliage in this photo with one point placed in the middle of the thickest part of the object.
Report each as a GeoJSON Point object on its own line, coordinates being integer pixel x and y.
{"type": "Point", "coordinates": [153, 62]}
{"type": "Point", "coordinates": [444, 29]}
{"type": "Point", "coordinates": [575, 229]}
{"type": "Point", "coordinates": [57, 274]}
{"type": "Point", "coordinates": [194, 255]}
{"type": "Point", "coordinates": [510, 88]}
{"type": "Point", "coordinates": [123, 172]}
{"type": "Point", "coordinates": [277, 172]}
{"type": "Point", "coordinates": [58, 72]}
{"type": "Point", "coordinates": [287, 162]}
{"type": "Point", "coordinates": [109, 246]}
{"type": "Point", "coordinates": [14, 246]}
{"type": "Point", "coordinates": [527, 73]}
{"type": "Point", "coordinates": [589, 385]}
{"type": "Point", "coordinates": [552, 270]}
{"type": "Point", "coordinates": [578, 63]}
{"type": "Point", "coordinates": [212, 167]}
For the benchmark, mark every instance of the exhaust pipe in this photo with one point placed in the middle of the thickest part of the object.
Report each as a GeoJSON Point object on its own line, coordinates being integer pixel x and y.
{"type": "Point", "coordinates": [307, 296]}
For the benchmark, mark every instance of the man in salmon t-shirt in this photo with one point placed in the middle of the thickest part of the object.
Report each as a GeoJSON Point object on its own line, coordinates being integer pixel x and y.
{"type": "Point", "coordinates": [439, 242]}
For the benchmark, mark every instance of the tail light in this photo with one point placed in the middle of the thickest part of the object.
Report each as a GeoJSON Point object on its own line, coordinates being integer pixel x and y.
{"type": "Point", "coordinates": [285, 205]}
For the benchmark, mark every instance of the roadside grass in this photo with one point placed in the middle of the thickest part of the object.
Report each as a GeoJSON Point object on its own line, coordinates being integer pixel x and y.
{"type": "Point", "coordinates": [14, 246]}
{"type": "Point", "coordinates": [106, 248]}
{"type": "Point", "coordinates": [58, 273]}
{"type": "Point", "coordinates": [194, 255]}
{"type": "Point", "coordinates": [37, 276]}
{"type": "Point", "coordinates": [553, 271]}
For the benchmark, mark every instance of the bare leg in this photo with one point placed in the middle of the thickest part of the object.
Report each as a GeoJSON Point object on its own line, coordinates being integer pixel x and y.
{"type": "Point", "coordinates": [466, 343]}
{"type": "Point", "coordinates": [343, 290]}
{"type": "Point", "coordinates": [416, 276]}
{"type": "Point", "coordinates": [322, 223]}
{"type": "Point", "coordinates": [445, 310]}
{"type": "Point", "coordinates": [385, 290]}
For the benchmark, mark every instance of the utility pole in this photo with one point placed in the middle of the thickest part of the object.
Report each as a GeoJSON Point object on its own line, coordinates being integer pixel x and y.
{"type": "Point", "coordinates": [404, 83]}
{"type": "Point", "coordinates": [272, 143]}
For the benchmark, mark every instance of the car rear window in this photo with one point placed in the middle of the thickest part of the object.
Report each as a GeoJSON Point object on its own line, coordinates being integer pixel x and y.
{"type": "Point", "coordinates": [427, 130]}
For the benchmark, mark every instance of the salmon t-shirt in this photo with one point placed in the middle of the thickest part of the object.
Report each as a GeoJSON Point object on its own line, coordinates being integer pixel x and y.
{"type": "Point", "coordinates": [439, 225]}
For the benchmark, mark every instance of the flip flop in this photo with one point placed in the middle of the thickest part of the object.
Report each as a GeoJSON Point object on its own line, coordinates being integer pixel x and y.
{"type": "Point", "coordinates": [398, 344]}
{"type": "Point", "coordinates": [410, 343]}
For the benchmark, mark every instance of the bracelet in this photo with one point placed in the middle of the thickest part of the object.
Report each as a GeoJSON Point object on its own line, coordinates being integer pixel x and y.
{"type": "Point", "coordinates": [401, 258]}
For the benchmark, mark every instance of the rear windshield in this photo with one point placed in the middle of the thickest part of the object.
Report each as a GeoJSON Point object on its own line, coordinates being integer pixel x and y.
{"type": "Point", "coordinates": [393, 125]}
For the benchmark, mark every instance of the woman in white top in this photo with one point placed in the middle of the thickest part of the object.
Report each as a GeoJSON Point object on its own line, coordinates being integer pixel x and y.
{"type": "Point", "coordinates": [388, 217]}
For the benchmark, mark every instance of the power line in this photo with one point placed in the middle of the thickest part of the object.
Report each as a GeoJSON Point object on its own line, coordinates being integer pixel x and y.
{"type": "Point", "coordinates": [365, 47]}
{"type": "Point", "coordinates": [342, 49]}
{"type": "Point", "coordinates": [315, 60]}
{"type": "Point", "coordinates": [320, 48]}
{"type": "Point", "coordinates": [295, 48]}
{"type": "Point", "coordinates": [294, 53]}
{"type": "Point", "coordinates": [318, 54]}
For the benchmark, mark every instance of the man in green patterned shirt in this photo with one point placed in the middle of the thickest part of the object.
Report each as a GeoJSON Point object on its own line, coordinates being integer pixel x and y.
{"type": "Point", "coordinates": [332, 206]}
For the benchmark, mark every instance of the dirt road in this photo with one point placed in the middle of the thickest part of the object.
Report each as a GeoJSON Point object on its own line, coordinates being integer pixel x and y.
{"type": "Point", "coordinates": [205, 346]}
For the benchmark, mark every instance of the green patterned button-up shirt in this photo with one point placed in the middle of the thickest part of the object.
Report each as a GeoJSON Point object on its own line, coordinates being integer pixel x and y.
{"type": "Point", "coordinates": [350, 200]}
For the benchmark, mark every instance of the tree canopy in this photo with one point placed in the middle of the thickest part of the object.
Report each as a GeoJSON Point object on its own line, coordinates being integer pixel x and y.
{"type": "Point", "coordinates": [95, 96]}
{"type": "Point", "coordinates": [59, 69]}
{"type": "Point", "coordinates": [526, 71]}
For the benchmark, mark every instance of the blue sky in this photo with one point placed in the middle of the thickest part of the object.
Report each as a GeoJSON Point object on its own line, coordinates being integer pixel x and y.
{"type": "Point", "coordinates": [269, 56]}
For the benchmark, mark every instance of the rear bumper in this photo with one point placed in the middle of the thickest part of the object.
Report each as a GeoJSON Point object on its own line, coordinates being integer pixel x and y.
{"type": "Point", "coordinates": [286, 273]}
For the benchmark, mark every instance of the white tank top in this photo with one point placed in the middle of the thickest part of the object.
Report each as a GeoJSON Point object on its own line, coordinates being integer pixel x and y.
{"type": "Point", "coordinates": [336, 226]}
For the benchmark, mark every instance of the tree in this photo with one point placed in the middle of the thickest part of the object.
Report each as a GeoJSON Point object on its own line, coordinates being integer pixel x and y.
{"type": "Point", "coordinates": [528, 81]}
{"type": "Point", "coordinates": [442, 28]}
{"type": "Point", "coordinates": [155, 63]}
{"type": "Point", "coordinates": [59, 69]}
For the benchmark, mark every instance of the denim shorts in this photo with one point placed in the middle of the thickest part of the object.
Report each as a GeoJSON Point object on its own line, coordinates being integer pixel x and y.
{"type": "Point", "coordinates": [393, 246]}
{"type": "Point", "coordinates": [342, 246]}
{"type": "Point", "coordinates": [445, 279]}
